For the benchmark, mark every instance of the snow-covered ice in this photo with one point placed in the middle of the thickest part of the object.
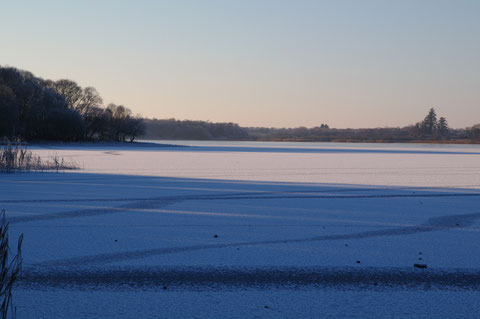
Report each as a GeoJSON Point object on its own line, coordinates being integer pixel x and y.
{"type": "Point", "coordinates": [245, 230]}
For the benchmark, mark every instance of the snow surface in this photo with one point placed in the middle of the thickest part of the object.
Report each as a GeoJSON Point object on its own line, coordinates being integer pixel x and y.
{"type": "Point", "coordinates": [249, 230]}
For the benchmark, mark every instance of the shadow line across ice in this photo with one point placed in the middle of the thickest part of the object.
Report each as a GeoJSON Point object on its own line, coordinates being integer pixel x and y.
{"type": "Point", "coordinates": [147, 192]}
{"type": "Point", "coordinates": [433, 224]}
{"type": "Point", "coordinates": [260, 278]}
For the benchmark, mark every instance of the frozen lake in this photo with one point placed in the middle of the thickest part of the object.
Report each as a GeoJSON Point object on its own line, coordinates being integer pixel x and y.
{"type": "Point", "coordinates": [249, 230]}
{"type": "Point", "coordinates": [345, 163]}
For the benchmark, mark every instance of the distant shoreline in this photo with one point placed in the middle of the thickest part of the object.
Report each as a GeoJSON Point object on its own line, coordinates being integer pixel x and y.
{"type": "Point", "coordinates": [451, 142]}
{"type": "Point", "coordinates": [461, 142]}
{"type": "Point", "coordinates": [156, 144]}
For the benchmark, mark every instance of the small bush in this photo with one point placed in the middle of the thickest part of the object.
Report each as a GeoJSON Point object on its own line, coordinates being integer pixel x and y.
{"type": "Point", "coordinates": [18, 158]}
{"type": "Point", "coordinates": [9, 271]}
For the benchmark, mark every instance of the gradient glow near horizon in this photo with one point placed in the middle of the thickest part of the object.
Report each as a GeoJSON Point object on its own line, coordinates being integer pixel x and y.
{"type": "Point", "coordinates": [259, 63]}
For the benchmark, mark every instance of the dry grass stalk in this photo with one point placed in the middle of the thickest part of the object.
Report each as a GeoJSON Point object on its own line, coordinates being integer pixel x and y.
{"type": "Point", "coordinates": [16, 157]}
{"type": "Point", "coordinates": [9, 270]}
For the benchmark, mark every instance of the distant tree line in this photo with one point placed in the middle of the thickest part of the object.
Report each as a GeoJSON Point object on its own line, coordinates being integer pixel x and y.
{"type": "Point", "coordinates": [431, 128]}
{"type": "Point", "coordinates": [35, 109]}
{"type": "Point", "coordinates": [318, 134]}
{"type": "Point", "coordinates": [32, 108]}
{"type": "Point", "coordinates": [193, 130]}
{"type": "Point", "coordinates": [474, 132]}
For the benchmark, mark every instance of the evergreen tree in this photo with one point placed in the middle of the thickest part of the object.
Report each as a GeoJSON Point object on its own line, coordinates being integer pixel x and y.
{"type": "Point", "coordinates": [429, 124]}
{"type": "Point", "coordinates": [442, 128]}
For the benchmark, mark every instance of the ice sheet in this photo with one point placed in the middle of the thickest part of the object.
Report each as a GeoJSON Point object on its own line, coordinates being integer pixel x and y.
{"type": "Point", "coordinates": [227, 229]}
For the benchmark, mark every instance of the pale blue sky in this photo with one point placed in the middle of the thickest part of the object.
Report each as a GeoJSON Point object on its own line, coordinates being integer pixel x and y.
{"type": "Point", "coordinates": [259, 63]}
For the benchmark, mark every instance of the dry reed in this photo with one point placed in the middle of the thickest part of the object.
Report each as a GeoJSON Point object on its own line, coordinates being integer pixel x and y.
{"type": "Point", "coordinates": [9, 270]}
{"type": "Point", "coordinates": [16, 157]}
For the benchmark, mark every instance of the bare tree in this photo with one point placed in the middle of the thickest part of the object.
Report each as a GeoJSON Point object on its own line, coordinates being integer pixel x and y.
{"type": "Point", "coordinates": [119, 118]}
{"type": "Point", "coordinates": [119, 112]}
{"type": "Point", "coordinates": [135, 127]}
{"type": "Point", "coordinates": [70, 90]}
{"type": "Point", "coordinates": [90, 99]}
